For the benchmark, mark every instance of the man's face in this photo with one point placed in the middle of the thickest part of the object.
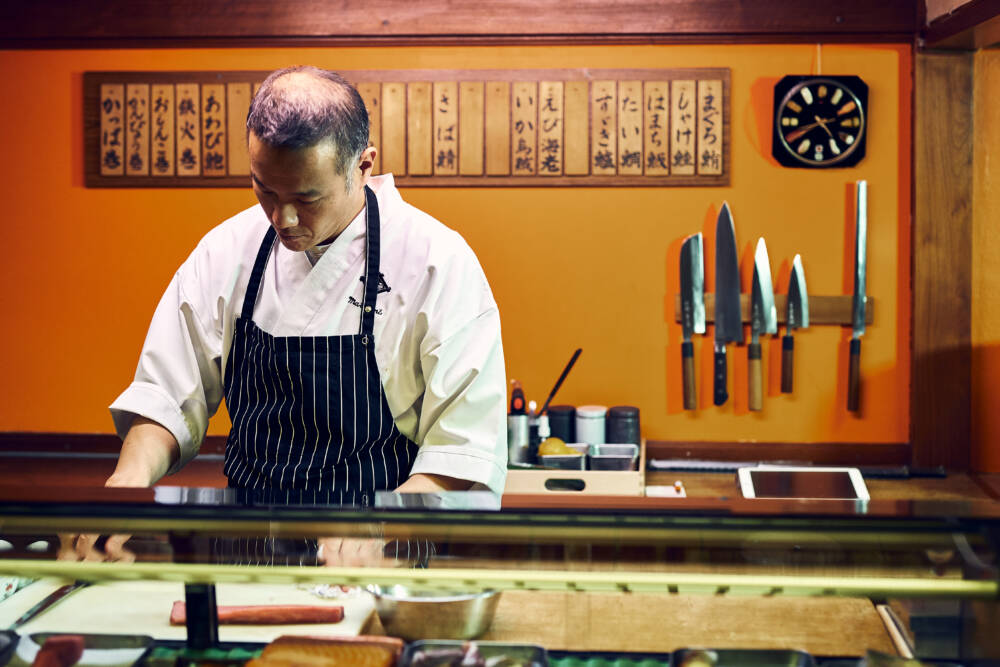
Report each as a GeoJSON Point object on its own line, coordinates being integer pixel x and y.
{"type": "Point", "coordinates": [305, 199]}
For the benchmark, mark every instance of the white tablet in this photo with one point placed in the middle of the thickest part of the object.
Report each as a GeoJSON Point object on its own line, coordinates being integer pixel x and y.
{"type": "Point", "coordinates": [768, 481]}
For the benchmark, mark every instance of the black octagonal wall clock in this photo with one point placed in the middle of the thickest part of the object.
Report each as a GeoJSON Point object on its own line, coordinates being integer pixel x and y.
{"type": "Point", "coordinates": [820, 121]}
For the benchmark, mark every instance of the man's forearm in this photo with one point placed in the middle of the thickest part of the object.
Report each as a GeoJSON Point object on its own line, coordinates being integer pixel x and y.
{"type": "Point", "coordinates": [426, 483]}
{"type": "Point", "coordinates": [147, 453]}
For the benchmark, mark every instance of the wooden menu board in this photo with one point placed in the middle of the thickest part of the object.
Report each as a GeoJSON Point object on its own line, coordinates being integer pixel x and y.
{"type": "Point", "coordinates": [564, 127]}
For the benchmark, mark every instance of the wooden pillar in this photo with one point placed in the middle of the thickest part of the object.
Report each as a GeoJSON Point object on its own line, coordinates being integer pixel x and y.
{"type": "Point", "coordinates": [940, 412]}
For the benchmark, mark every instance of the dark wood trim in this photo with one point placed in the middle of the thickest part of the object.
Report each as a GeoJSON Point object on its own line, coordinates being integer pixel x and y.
{"type": "Point", "coordinates": [151, 23]}
{"type": "Point", "coordinates": [974, 25]}
{"type": "Point", "coordinates": [32, 443]}
{"type": "Point", "coordinates": [941, 355]}
{"type": "Point", "coordinates": [825, 453]}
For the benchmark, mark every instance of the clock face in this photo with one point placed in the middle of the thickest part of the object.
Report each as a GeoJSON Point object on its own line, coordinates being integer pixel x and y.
{"type": "Point", "coordinates": [820, 121]}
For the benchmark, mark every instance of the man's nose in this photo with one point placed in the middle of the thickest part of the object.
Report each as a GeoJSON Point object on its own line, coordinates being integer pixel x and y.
{"type": "Point", "coordinates": [285, 216]}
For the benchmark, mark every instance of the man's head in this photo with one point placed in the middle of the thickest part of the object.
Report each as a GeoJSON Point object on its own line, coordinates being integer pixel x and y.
{"type": "Point", "coordinates": [307, 133]}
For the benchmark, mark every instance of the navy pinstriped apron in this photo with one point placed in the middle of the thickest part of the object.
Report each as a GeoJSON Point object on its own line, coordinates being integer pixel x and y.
{"type": "Point", "coordinates": [309, 413]}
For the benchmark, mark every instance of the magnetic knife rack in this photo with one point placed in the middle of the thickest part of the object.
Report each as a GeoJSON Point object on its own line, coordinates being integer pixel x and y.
{"type": "Point", "coordinates": [822, 309]}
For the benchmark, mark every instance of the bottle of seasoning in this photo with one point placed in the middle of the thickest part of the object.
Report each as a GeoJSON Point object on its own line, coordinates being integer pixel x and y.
{"type": "Point", "coordinates": [623, 424]}
{"type": "Point", "coordinates": [562, 421]}
{"type": "Point", "coordinates": [590, 424]}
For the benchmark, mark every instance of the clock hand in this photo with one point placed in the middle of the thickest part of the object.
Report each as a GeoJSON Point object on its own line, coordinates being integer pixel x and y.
{"type": "Point", "coordinates": [822, 123]}
{"type": "Point", "coordinates": [795, 134]}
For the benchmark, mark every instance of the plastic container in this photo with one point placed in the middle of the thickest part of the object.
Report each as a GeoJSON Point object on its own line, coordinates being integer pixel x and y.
{"type": "Point", "coordinates": [623, 424]}
{"type": "Point", "coordinates": [562, 422]}
{"type": "Point", "coordinates": [590, 424]}
{"type": "Point", "coordinates": [567, 461]}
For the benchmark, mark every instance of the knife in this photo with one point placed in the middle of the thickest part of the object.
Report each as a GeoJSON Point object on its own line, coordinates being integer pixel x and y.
{"type": "Point", "coordinates": [692, 310]}
{"type": "Point", "coordinates": [49, 600]}
{"type": "Point", "coordinates": [798, 318]}
{"type": "Point", "coordinates": [763, 319]}
{"type": "Point", "coordinates": [860, 298]}
{"type": "Point", "coordinates": [728, 315]}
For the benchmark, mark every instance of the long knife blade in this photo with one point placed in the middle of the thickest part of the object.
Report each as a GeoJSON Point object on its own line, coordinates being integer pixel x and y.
{"type": "Point", "coordinates": [860, 297]}
{"type": "Point", "coordinates": [728, 315]}
{"type": "Point", "coordinates": [46, 602]}
{"type": "Point", "coordinates": [763, 319]}
{"type": "Point", "coordinates": [692, 310]}
{"type": "Point", "coordinates": [798, 318]}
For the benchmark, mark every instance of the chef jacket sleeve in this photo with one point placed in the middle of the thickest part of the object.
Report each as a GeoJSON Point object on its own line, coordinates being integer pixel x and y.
{"type": "Point", "coordinates": [462, 431]}
{"type": "Point", "coordinates": [178, 382]}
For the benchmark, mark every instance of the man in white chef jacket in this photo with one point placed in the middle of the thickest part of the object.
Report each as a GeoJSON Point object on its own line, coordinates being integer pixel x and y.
{"type": "Point", "coordinates": [354, 337]}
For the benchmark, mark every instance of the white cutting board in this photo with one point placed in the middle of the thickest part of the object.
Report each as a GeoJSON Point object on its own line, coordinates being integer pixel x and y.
{"type": "Point", "coordinates": [143, 608]}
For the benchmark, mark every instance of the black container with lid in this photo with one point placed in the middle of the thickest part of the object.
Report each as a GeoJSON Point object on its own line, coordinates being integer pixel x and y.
{"type": "Point", "coordinates": [562, 422]}
{"type": "Point", "coordinates": [623, 424]}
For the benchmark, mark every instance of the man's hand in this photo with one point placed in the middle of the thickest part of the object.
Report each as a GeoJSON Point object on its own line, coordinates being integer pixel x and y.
{"type": "Point", "coordinates": [353, 552]}
{"type": "Point", "coordinates": [84, 547]}
{"type": "Point", "coordinates": [147, 454]}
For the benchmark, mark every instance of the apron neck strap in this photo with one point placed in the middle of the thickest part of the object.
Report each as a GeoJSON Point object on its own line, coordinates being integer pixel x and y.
{"type": "Point", "coordinates": [372, 275]}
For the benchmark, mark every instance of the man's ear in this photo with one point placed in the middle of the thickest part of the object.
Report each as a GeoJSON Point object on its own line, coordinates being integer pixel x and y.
{"type": "Point", "coordinates": [367, 163]}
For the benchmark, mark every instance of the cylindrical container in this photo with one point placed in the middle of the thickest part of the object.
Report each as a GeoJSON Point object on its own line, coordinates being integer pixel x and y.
{"type": "Point", "coordinates": [590, 424]}
{"type": "Point", "coordinates": [562, 422]}
{"type": "Point", "coordinates": [517, 439]}
{"type": "Point", "coordinates": [623, 424]}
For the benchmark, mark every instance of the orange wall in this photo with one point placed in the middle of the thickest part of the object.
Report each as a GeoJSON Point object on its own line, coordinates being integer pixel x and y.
{"type": "Point", "coordinates": [571, 267]}
{"type": "Point", "coordinates": [985, 264]}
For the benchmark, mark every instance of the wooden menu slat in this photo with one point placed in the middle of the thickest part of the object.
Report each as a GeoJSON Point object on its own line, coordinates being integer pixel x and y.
{"type": "Point", "coordinates": [419, 143]}
{"type": "Point", "coordinates": [604, 128]}
{"type": "Point", "coordinates": [630, 128]}
{"type": "Point", "coordinates": [188, 129]}
{"type": "Point", "coordinates": [576, 129]}
{"type": "Point", "coordinates": [112, 129]}
{"type": "Point", "coordinates": [470, 130]}
{"type": "Point", "coordinates": [162, 147]}
{"type": "Point", "coordinates": [709, 127]}
{"type": "Point", "coordinates": [524, 128]}
{"type": "Point", "coordinates": [215, 129]}
{"type": "Point", "coordinates": [656, 95]}
{"type": "Point", "coordinates": [550, 128]}
{"type": "Point", "coordinates": [371, 93]}
{"type": "Point", "coordinates": [394, 129]}
{"type": "Point", "coordinates": [682, 127]}
{"type": "Point", "coordinates": [497, 128]}
{"type": "Point", "coordinates": [137, 129]}
{"type": "Point", "coordinates": [555, 127]}
{"type": "Point", "coordinates": [445, 102]}
{"type": "Point", "coordinates": [237, 105]}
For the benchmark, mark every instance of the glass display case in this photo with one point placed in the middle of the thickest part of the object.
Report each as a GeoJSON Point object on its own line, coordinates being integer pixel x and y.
{"type": "Point", "coordinates": [827, 581]}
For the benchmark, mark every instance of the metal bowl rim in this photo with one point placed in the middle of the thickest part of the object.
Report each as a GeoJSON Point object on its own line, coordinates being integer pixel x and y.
{"type": "Point", "coordinates": [379, 594]}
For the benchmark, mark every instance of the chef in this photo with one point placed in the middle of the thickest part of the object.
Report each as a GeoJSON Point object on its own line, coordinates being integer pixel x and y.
{"type": "Point", "coordinates": [355, 338]}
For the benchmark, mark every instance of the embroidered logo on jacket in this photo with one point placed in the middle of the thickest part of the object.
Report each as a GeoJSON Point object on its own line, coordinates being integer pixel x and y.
{"type": "Point", "coordinates": [357, 304]}
{"type": "Point", "coordinates": [383, 286]}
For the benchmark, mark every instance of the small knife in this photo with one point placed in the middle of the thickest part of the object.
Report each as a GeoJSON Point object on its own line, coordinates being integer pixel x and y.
{"type": "Point", "coordinates": [728, 314]}
{"type": "Point", "coordinates": [692, 310]}
{"type": "Point", "coordinates": [763, 319]}
{"type": "Point", "coordinates": [798, 318]}
{"type": "Point", "coordinates": [860, 298]}
{"type": "Point", "coordinates": [49, 600]}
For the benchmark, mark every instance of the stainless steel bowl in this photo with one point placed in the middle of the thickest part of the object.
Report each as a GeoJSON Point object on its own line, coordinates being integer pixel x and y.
{"type": "Point", "coordinates": [434, 614]}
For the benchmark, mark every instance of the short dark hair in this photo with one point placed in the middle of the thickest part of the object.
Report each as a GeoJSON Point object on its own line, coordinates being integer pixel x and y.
{"type": "Point", "coordinates": [285, 117]}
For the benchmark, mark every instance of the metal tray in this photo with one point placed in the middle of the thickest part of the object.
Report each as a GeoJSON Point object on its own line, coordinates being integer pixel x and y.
{"type": "Point", "coordinates": [613, 456]}
{"type": "Point", "coordinates": [742, 658]}
{"type": "Point", "coordinates": [528, 654]}
{"type": "Point", "coordinates": [566, 461]}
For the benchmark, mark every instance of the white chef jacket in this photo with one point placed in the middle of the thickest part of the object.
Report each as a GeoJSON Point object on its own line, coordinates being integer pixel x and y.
{"type": "Point", "coordinates": [437, 333]}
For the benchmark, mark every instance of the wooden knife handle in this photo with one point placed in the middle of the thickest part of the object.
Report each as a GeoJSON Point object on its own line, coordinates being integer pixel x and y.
{"type": "Point", "coordinates": [787, 363]}
{"type": "Point", "coordinates": [687, 361]}
{"type": "Point", "coordinates": [719, 393]}
{"type": "Point", "coordinates": [854, 376]}
{"type": "Point", "coordinates": [756, 400]}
